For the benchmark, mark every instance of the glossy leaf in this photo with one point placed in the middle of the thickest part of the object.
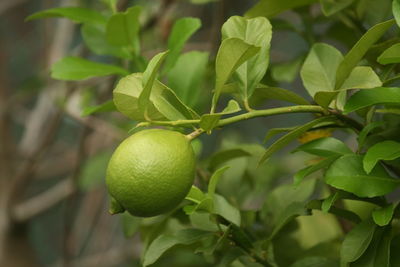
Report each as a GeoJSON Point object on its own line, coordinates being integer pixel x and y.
{"type": "Point", "coordinates": [357, 241]}
{"type": "Point", "coordinates": [287, 138]}
{"type": "Point", "coordinates": [165, 241]}
{"type": "Point", "coordinates": [390, 55]}
{"type": "Point", "coordinates": [347, 173]}
{"type": "Point", "coordinates": [270, 8]}
{"type": "Point", "coordinates": [319, 69]}
{"type": "Point", "coordinates": [325, 147]}
{"type": "Point", "coordinates": [149, 76]}
{"type": "Point", "coordinates": [383, 216]}
{"type": "Point", "coordinates": [232, 53]}
{"type": "Point", "coordinates": [256, 32]}
{"type": "Point", "coordinates": [330, 7]}
{"type": "Point", "coordinates": [105, 107]}
{"type": "Point", "coordinates": [182, 30]}
{"type": "Point", "coordinates": [77, 14]}
{"type": "Point", "coordinates": [75, 69]}
{"type": "Point", "coordinates": [358, 51]}
{"type": "Point", "coordinates": [324, 163]}
{"type": "Point", "coordinates": [386, 150]}
{"type": "Point", "coordinates": [164, 104]}
{"type": "Point", "coordinates": [276, 93]}
{"type": "Point", "coordinates": [366, 98]}
{"type": "Point", "coordinates": [185, 78]}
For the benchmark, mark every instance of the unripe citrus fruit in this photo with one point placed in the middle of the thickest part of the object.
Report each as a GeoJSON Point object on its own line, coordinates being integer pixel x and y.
{"type": "Point", "coordinates": [151, 172]}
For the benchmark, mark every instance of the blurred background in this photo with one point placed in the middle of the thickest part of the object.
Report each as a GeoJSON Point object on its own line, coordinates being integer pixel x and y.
{"type": "Point", "coordinates": [53, 201]}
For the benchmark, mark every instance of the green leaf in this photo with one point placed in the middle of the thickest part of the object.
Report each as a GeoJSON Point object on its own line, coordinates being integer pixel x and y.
{"type": "Point", "coordinates": [330, 201]}
{"type": "Point", "coordinates": [300, 175]}
{"type": "Point", "coordinates": [357, 241]}
{"type": "Point", "coordinates": [315, 261]}
{"type": "Point", "coordinates": [330, 7]}
{"type": "Point", "coordinates": [319, 69]}
{"type": "Point", "coordinates": [77, 14]}
{"type": "Point", "coordinates": [195, 195]}
{"type": "Point", "coordinates": [287, 138]}
{"type": "Point", "coordinates": [123, 28]}
{"type": "Point", "coordinates": [362, 136]}
{"type": "Point", "coordinates": [223, 208]}
{"type": "Point", "coordinates": [105, 107]}
{"type": "Point", "coordinates": [212, 185]}
{"type": "Point", "coordinates": [396, 11]}
{"type": "Point", "coordinates": [164, 104]}
{"type": "Point", "coordinates": [182, 30]}
{"type": "Point", "coordinates": [325, 147]}
{"type": "Point", "coordinates": [274, 131]}
{"type": "Point", "coordinates": [276, 93]}
{"type": "Point", "coordinates": [186, 77]}
{"type": "Point", "coordinates": [286, 71]}
{"type": "Point", "coordinates": [232, 53]}
{"type": "Point", "coordinates": [358, 51]}
{"type": "Point", "coordinates": [223, 156]}
{"type": "Point", "coordinates": [270, 8]}
{"type": "Point", "coordinates": [149, 76]}
{"type": "Point", "coordinates": [165, 241]}
{"type": "Point", "coordinates": [130, 224]}
{"type": "Point", "coordinates": [386, 150]}
{"type": "Point", "coordinates": [366, 98]}
{"type": "Point", "coordinates": [209, 121]}
{"type": "Point", "coordinates": [395, 246]}
{"type": "Point", "coordinates": [383, 216]}
{"type": "Point", "coordinates": [347, 173]}
{"type": "Point", "coordinates": [75, 69]}
{"type": "Point", "coordinates": [390, 55]}
{"type": "Point", "coordinates": [94, 36]}
{"type": "Point", "coordinates": [93, 171]}
{"type": "Point", "coordinates": [256, 32]}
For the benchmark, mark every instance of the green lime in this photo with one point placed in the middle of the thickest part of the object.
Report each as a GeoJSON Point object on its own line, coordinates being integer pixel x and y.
{"type": "Point", "coordinates": [151, 172]}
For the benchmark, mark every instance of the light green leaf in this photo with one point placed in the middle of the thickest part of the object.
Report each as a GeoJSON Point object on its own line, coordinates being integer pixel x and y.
{"type": "Point", "coordinates": [105, 107]}
{"type": "Point", "coordinates": [386, 150]}
{"type": "Point", "coordinates": [296, 132]}
{"type": "Point", "coordinates": [223, 208]}
{"type": "Point", "coordinates": [75, 69]}
{"type": "Point", "coordinates": [383, 216]}
{"type": "Point", "coordinates": [347, 173]}
{"type": "Point", "coordinates": [223, 156]}
{"type": "Point", "coordinates": [319, 69]}
{"type": "Point", "coordinates": [94, 36]}
{"type": "Point", "coordinates": [390, 55]}
{"type": "Point", "coordinates": [276, 93]}
{"type": "Point", "coordinates": [366, 98]}
{"type": "Point", "coordinates": [182, 30]}
{"type": "Point", "coordinates": [165, 241]}
{"type": "Point", "coordinates": [212, 185]}
{"type": "Point", "coordinates": [93, 171]}
{"type": "Point", "coordinates": [209, 121]}
{"type": "Point", "coordinates": [164, 104]}
{"type": "Point", "coordinates": [130, 224]}
{"type": "Point", "coordinates": [123, 28]}
{"type": "Point", "coordinates": [286, 71]}
{"type": "Point", "coordinates": [186, 77]}
{"type": "Point", "coordinates": [149, 76]}
{"type": "Point", "coordinates": [300, 175]}
{"type": "Point", "coordinates": [270, 8]}
{"type": "Point", "coordinates": [256, 32]}
{"type": "Point", "coordinates": [358, 51]}
{"type": "Point", "coordinates": [232, 53]}
{"type": "Point", "coordinates": [325, 147]}
{"type": "Point", "coordinates": [330, 201]}
{"type": "Point", "coordinates": [330, 7]}
{"type": "Point", "coordinates": [195, 195]}
{"type": "Point", "coordinates": [77, 14]}
{"type": "Point", "coordinates": [357, 241]}
{"type": "Point", "coordinates": [396, 11]}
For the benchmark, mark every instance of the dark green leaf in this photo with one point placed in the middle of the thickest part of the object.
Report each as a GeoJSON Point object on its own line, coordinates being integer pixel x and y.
{"type": "Point", "coordinates": [300, 175]}
{"type": "Point", "coordinates": [366, 98]}
{"type": "Point", "coordinates": [276, 93]}
{"type": "Point", "coordinates": [77, 14]}
{"type": "Point", "coordinates": [270, 8]}
{"type": "Point", "coordinates": [185, 78]}
{"type": "Point", "coordinates": [182, 30]}
{"type": "Point", "coordinates": [232, 53]}
{"type": "Point", "coordinates": [330, 201]}
{"type": "Point", "coordinates": [325, 147]}
{"type": "Point", "coordinates": [358, 51]}
{"type": "Point", "coordinates": [347, 173]}
{"type": "Point", "coordinates": [287, 138]}
{"type": "Point", "coordinates": [383, 216]}
{"type": "Point", "coordinates": [105, 107]}
{"type": "Point", "coordinates": [164, 242]}
{"type": "Point", "coordinates": [362, 136]}
{"type": "Point", "coordinates": [330, 7]}
{"type": "Point", "coordinates": [390, 55]}
{"type": "Point", "coordinates": [149, 76]}
{"type": "Point", "coordinates": [395, 246]}
{"type": "Point", "coordinates": [386, 150]}
{"type": "Point", "coordinates": [357, 241]}
{"type": "Point", "coordinates": [396, 11]}
{"type": "Point", "coordinates": [315, 261]}
{"type": "Point", "coordinates": [75, 68]}
{"type": "Point", "coordinates": [256, 32]}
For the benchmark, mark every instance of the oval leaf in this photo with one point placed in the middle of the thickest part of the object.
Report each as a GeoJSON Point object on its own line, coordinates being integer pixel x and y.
{"type": "Point", "coordinates": [387, 150]}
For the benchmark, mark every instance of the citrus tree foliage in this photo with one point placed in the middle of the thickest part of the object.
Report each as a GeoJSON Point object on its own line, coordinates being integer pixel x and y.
{"type": "Point", "coordinates": [339, 209]}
